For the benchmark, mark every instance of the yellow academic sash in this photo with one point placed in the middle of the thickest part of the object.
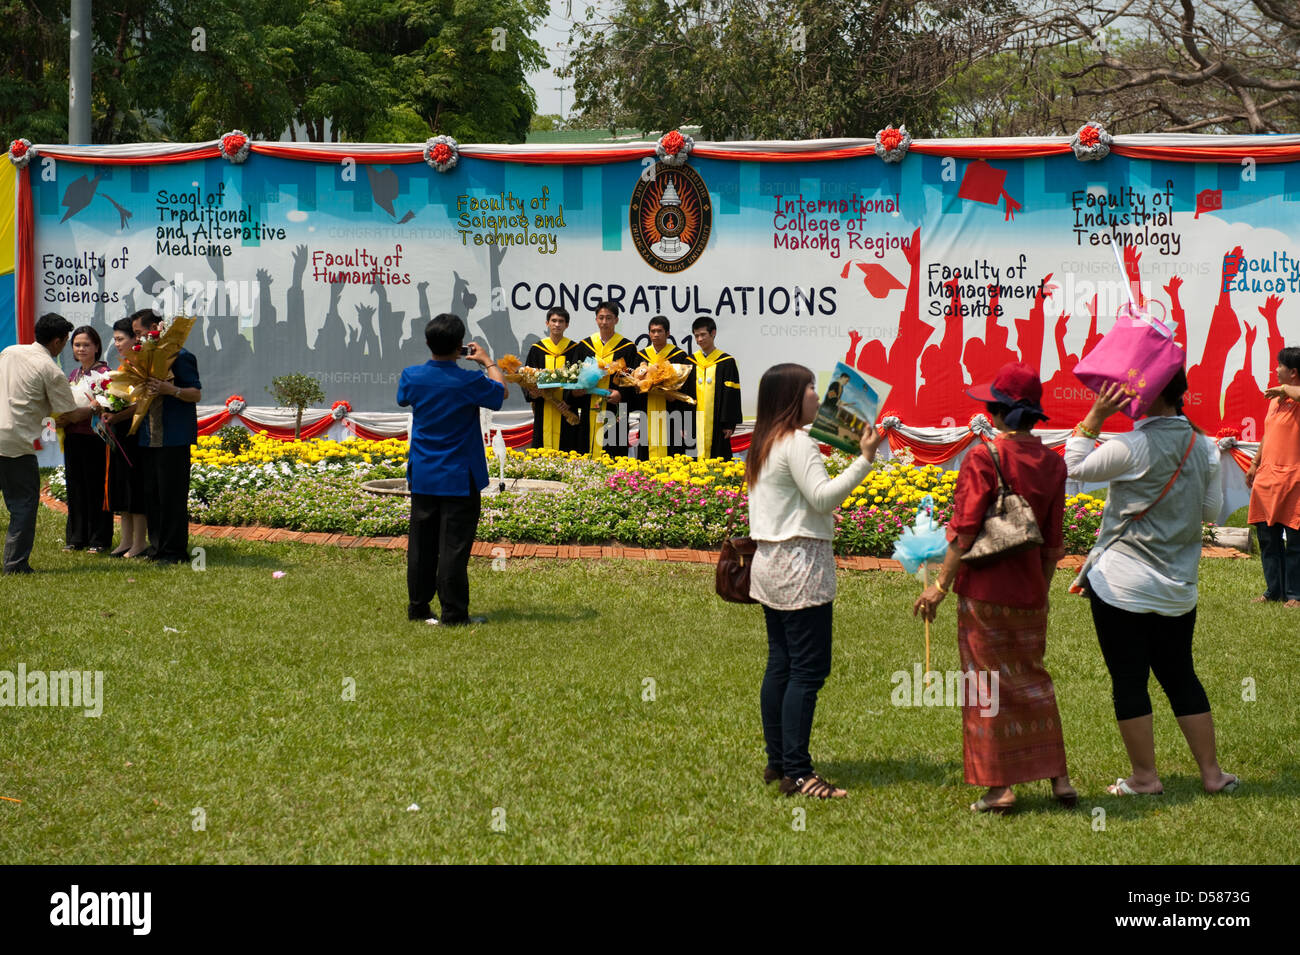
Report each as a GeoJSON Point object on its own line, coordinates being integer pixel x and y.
{"type": "Point", "coordinates": [551, 419]}
{"type": "Point", "coordinates": [705, 386]}
{"type": "Point", "coordinates": [656, 438]}
{"type": "Point", "coordinates": [604, 353]}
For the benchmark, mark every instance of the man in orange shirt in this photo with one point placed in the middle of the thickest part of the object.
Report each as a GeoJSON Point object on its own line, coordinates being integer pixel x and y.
{"type": "Point", "coordinates": [1274, 482]}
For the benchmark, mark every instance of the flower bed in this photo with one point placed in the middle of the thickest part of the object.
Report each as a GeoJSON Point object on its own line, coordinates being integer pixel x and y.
{"type": "Point", "coordinates": [669, 502]}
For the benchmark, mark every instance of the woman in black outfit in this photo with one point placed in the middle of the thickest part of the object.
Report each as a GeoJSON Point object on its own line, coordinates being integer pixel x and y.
{"type": "Point", "coordinates": [85, 461]}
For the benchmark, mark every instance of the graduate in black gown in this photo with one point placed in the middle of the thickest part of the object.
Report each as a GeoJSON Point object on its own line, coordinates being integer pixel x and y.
{"type": "Point", "coordinates": [550, 430]}
{"type": "Point", "coordinates": [667, 425]}
{"type": "Point", "coordinates": [605, 422]}
{"type": "Point", "coordinates": [717, 393]}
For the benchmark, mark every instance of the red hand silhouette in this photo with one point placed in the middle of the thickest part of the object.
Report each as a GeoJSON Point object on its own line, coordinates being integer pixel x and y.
{"type": "Point", "coordinates": [1275, 340]}
{"type": "Point", "coordinates": [854, 339]}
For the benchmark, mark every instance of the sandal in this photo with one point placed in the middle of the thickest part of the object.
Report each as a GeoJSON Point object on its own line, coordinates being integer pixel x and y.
{"type": "Point", "coordinates": [996, 808]}
{"type": "Point", "coordinates": [771, 775]}
{"type": "Point", "coordinates": [811, 785]}
{"type": "Point", "coordinates": [1122, 788]}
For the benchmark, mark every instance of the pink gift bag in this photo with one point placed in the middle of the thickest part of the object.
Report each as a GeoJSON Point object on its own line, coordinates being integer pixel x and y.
{"type": "Point", "coordinates": [1139, 353]}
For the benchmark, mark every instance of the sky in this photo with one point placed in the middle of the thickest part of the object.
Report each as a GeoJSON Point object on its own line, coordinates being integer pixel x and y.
{"type": "Point", "coordinates": [554, 35]}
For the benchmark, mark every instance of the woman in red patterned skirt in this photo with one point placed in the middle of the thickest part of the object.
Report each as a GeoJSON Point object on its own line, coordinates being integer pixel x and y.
{"type": "Point", "coordinates": [1011, 728]}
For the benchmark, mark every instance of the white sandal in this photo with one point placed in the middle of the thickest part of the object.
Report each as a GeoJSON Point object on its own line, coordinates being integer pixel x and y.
{"type": "Point", "coordinates": [1122, 788]}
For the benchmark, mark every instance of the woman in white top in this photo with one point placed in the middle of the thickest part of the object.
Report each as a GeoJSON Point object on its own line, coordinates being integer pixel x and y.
{"type": "Point", "coordinates": [791, 502]}
{"type": "Point", "coordinates": [1141, 576]}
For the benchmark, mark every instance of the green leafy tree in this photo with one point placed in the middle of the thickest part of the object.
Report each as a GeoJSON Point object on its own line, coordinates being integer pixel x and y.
{"type": "Point", "coordinates": [757, 69]}
{"type": "Point", "coordinates": [34, 80]}
{"type": "Point", "coordinates": [339, 69]}
{"type": "Point", "coordinates": [296, 392]}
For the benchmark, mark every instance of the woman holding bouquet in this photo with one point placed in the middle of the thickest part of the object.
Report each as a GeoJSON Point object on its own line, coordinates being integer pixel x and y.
{"type": "Point", "coordinates": [125, 477]}
{"type": "Point", "coordinates": [85, 461]}
{"type": "Point", "coordinates": [791, 501]}
{"type": "Point", "coordinates": [550, 430]}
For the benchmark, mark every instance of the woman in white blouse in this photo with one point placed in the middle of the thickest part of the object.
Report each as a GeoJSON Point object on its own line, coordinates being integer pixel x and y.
{"type": "Point", "coordinates": [1141, 575]}
{"type": "Point", "coordinates": [791, 502]}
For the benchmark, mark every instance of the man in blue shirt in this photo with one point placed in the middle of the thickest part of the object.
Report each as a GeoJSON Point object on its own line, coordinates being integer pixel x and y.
{"type": "Point", "coordinates": [447, 468]}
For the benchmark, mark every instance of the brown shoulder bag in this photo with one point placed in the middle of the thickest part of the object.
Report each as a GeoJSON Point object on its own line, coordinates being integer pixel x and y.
{"type": "Point", "coordinates": [1009, 525]}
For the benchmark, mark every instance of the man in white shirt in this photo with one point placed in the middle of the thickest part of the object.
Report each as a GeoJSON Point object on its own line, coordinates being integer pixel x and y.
{"type": "Point", "coordinates": [32, 388]}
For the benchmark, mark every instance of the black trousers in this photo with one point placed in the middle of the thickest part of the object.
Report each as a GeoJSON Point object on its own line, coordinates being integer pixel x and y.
{"type": "Point", "coordinates": [85, 465]}
{"type": "Point", "coordinates": [20, 483]}
{"type": "Point", "coordinates": [167, 501]}
{"type": "Point", "coordinates": [1135, 645]}
{"type": "Point", "coordinates": [437, 555]}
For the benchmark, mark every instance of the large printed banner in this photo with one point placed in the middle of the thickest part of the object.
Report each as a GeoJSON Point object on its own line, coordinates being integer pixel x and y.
{"type": "Point", "coordinates": [929, 273]}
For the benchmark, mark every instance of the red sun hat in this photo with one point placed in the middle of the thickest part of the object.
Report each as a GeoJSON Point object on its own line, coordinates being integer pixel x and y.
{"type": "Point", "coordinates": [1015, 381]}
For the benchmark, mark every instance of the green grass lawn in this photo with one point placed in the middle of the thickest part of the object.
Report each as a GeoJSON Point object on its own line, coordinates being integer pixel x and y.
{"type": "Point", "coordinates": [538, 721]}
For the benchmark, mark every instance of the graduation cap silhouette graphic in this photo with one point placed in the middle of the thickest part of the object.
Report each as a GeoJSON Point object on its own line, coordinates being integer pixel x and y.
{"type": "Point", "coordinates": [984, 183]}
{"type": "Point", "coordinates": [79, 194]}
{"type": "Point", "coordinates": [384, 188]}
{"type": "Point", "coordinates": [878, 279]}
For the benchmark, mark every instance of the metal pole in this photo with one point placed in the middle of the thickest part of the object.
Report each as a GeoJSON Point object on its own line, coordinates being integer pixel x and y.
{"type": "Point", "coordinates": [79, 74]}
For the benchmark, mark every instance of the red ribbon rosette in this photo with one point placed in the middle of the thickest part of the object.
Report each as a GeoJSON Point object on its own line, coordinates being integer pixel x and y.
{"type": "Point", "coordinates": [235, 146]}
{"type": "Point", "coordinates": [981, 426]}
{"type": "Point", "coordinates": [21, 152]}
{"type": "Point", "coordinates": [1227, 438]}
{"type": "Point", "coordinates": [442, 153]}
{"type": "Point", "coordinates": [892, 144]}
{"type": "Point", "coordinates": [674, 148]}
{"type": "Point", "coordinates": [1091, 142]}
{"type": "Point", "coordinates": [339, 410]}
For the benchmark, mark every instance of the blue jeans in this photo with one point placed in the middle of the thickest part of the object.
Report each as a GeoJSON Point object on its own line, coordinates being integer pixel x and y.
{"type": "Point", "coordinates": [1281, 560]}
{"type": "Point", "coordinates": [798, 662]}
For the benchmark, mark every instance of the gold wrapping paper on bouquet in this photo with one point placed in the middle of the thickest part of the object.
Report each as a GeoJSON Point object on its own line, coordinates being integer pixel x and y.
{"type": "Point", "coordinates": [515, 371]}
{"type": "Point", "coordinates": [154, 360]}
{"type": "Point", "coordinates": [662, 377]}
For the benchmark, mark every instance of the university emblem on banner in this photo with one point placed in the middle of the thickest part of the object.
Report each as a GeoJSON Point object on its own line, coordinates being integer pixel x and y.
{"type": "Point", "coordinates": [671, 217]}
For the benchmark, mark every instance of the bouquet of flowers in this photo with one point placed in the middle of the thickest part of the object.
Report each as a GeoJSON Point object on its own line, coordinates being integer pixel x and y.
{"type": "Point", "coordinates": [663, 377]}
{"type": "Point", "coordinates": [512, 369]}
{"type": "Point", "coordinates": [150, 358]}
{"type": "Point", "coordinates": [92, 391]}
{"type": "Point", "coordinates": [566, 376]}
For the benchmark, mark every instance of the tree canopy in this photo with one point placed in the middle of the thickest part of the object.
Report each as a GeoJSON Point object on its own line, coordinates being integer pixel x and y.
{"type": "Point", "coordinates": [758, 69]}
{"type": "Point", "coordinates": [1172, 65]}
{"type": "Point", "coordinates": [352, 69]}
{"type": "Point", "coordinates": [749, 68]}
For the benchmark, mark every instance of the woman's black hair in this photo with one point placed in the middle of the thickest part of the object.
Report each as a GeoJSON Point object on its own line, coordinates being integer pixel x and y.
{"type": "Point", "coordinates": [1174, 391]}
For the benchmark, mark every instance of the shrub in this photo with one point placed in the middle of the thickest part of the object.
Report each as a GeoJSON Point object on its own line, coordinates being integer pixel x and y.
{"type": "Point", "coordinates": [233, 439]}
{"type": "Point", "coordinates": [296, 392]}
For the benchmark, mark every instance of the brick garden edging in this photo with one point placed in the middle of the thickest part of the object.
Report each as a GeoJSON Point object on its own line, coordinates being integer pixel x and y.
{"type": "Point", "coordinates": [280, 535]}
